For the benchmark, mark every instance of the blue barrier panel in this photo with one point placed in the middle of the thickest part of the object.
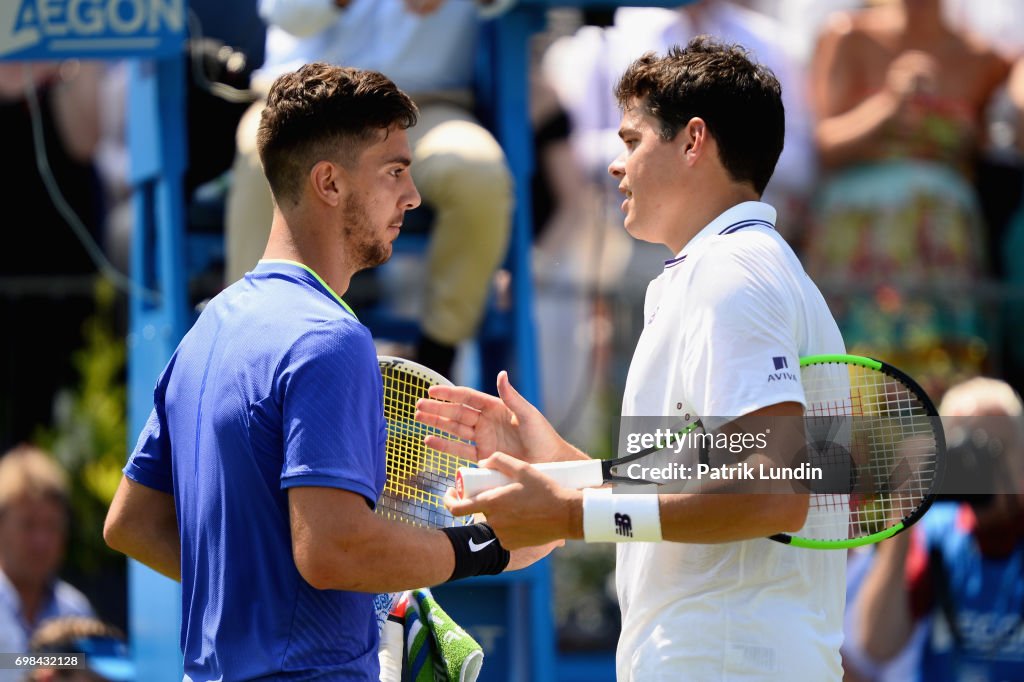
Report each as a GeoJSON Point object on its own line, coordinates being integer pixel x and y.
{"type": "Point", "coordinates": [159, 318]}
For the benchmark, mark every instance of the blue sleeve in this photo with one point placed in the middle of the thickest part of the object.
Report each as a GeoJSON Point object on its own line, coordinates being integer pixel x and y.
{"type": "Point", "coordinates": [333, 411]}
{"type": "Point", "coordinates": [150, 462]}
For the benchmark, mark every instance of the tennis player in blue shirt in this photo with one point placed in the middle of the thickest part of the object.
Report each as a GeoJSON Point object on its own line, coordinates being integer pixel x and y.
{"type": "Point", "coordinates": [255, 478]}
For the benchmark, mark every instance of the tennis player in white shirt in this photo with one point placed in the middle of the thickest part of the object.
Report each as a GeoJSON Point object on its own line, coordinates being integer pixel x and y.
{"type": "Point", "coordinates": [704, 595]}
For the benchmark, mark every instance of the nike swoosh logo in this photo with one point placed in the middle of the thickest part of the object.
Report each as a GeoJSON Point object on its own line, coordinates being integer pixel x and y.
{"type": "Point", "coordinates": [473, 547]}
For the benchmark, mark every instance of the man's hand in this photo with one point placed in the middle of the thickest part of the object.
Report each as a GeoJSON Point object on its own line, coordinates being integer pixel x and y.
{"type": "Point", "coordinates": [912, 73]}
{"type": "Point", "coordinates": [507, 424]}
{"type": "Point", "coordinates": [532, 510]}
{"type": "Point", "coordinates": [912, 81]}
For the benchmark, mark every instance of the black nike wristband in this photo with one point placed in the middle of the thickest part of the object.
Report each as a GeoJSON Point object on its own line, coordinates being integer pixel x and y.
{"type": "Point", "coordinates": [477, 551]}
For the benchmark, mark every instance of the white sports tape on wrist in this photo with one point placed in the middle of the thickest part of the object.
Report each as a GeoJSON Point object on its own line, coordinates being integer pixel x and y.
{"type": "Point", "coordinates": [608, 517]}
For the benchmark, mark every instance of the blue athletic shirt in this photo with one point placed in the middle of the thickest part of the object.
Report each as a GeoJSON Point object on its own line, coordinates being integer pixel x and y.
{"type": "Point", "coordinates": [275, 386]}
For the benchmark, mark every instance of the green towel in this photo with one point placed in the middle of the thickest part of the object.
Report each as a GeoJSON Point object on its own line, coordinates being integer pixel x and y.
{"type": "Point", "coordinates": [437, 649]}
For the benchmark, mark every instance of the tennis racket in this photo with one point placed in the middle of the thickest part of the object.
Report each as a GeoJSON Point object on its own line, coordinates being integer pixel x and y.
{"type": "Point", "coordinates": [890, 451]}
{"type": "Point", "coordinates": [416, 476]}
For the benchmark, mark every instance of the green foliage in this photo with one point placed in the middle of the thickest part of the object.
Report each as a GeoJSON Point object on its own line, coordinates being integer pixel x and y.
{"type": "Point", "coordinates": [90, 435]}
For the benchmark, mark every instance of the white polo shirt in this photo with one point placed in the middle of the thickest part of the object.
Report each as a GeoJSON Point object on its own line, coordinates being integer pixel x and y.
{"type": "Point", "coordinates": [716, 323]}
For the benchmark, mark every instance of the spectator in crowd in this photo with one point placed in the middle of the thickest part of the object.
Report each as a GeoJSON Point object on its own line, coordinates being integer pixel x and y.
{"type": "Point", "coordinates": [33, 536]}
{"type": "Point", "coordinates": [104, 653]}
{"type": "Point", "coordinates": [958, 574]}
{"type": "Point", "coordinates": [577, 262]}
{"type": "Point", "coordinates": [428, 49]}
{"type": "Point", "coordinates": [899, 96]}
{"type": "Point", "coordinates": [46, 281]}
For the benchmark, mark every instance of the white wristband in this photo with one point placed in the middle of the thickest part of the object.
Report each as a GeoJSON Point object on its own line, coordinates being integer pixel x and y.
{"type": "Point", "coordinates": [609, 517]}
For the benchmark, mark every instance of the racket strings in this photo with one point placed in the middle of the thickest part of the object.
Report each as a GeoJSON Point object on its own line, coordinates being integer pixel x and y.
{"type": "Point", "coordinates": [416, 476]}
{"type": "Point", "coordinates": [886, 445]}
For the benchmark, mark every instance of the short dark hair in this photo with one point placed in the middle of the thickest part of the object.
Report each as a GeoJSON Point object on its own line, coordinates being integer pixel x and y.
{"type": "Point", "coordinates": [312, 112]}
{"type": "Point", "coordinates": [739, 100]}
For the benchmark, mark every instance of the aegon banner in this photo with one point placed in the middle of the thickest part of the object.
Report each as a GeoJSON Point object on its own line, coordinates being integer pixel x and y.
{"type": "Point", "coordinates": [53, 29]}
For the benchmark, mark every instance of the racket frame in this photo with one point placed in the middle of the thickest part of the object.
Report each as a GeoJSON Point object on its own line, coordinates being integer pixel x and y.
{"type": "Point", "coordinates": [431, 378]}
{"type": "Point", "coordinates": [940, 450]}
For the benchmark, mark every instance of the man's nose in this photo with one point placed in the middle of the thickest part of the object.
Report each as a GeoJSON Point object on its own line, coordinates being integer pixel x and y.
{"type": "Point", "coordinates": [617, 168]}
{"type": "Point", "coordinates": [413, 199]}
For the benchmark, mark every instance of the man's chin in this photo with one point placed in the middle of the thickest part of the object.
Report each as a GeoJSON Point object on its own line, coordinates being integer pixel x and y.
{"type": "Point", "coordinates": [641, 232]}
{"type": "Point", "coordinates": [634, 229]}
{"type": "Point", "coordinates": [375, 257]}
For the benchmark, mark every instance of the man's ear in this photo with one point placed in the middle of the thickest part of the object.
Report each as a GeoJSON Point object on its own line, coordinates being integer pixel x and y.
{"type": "Point", "coordinates": [694, 139]}
{"type": "Point", "coordinates": [326, 182]}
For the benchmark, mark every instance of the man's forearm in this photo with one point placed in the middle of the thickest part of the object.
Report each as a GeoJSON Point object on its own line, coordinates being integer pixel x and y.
{"type": "Point", "coordinates": [883, 612]}
{"type": "Point", "coordinates": [720, 517]}
{"type": "Point", "coordinates": [338, 543]}
{"type": "Point", "coordinates": [141, 523]}
{"type": "Point", "coordinates": [384, 556]}
{"type": "Point", "coordinates": [159, 551]}
{"type": "Point", "coordinates": [694, 517]}
{"type": "Point", "coordinates": [729, 510]}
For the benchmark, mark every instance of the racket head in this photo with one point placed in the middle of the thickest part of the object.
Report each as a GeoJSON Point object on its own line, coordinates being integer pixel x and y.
{"type": "Point", "coordinates": [894, 443]}
{"type": "Point", "coordinates": [416, 476]}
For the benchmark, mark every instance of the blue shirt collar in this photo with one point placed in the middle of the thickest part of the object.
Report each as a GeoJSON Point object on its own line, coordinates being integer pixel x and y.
{"type": "Point", "coordinates": [305, 273]}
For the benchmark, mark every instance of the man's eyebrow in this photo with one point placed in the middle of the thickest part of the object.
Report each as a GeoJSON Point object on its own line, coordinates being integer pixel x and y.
{"type": "Point", "coordinates": [401, 159]}
{"type": "Point", "coordinates": [626, 130]}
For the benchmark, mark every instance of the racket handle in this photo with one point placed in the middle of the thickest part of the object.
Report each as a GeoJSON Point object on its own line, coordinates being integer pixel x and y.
{"type": "Point", "coordinates": [577, 474]}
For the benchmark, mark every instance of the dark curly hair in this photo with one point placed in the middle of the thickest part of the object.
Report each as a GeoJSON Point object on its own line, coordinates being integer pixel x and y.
{"type": "Point", "coordinates": [320, 112]}
{"type": "Point", "coordinates": [738, 99]}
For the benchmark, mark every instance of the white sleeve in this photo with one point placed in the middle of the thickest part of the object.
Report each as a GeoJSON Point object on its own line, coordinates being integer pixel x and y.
{"type": "Point", "coordinates": [740, 331]}
{"type": "Point", "coordinates": [301, 18]}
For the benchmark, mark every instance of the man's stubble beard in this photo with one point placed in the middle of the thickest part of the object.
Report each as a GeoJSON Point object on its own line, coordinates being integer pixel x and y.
{"type": "Point", "coordinates": [364, 249]}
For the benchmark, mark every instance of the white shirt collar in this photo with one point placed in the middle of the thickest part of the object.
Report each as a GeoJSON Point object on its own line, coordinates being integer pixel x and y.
{"type": "Point", "coordinates": [733, 219]}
